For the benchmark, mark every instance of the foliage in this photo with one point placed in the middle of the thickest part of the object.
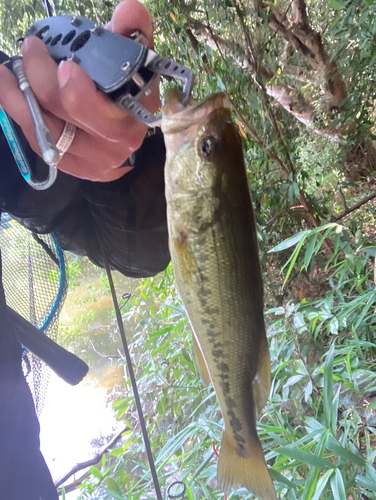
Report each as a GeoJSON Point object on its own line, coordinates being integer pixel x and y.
{"type": "Point", "coordinates": [318, 428]}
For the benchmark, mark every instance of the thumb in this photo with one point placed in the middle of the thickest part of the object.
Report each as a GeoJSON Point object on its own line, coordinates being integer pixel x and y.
{"type": "Point", "coordinates": [129, 16]}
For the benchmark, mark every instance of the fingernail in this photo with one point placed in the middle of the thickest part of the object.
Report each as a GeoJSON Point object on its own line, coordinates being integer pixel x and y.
{"type": "Point", "coordinates": [63, 73]}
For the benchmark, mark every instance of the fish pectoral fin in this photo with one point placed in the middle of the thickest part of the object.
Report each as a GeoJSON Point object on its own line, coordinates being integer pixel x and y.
{"type": "Point", "coordinates": [248, 472]}
{"type": "Point", "coordinates": [261, 382]}
{"type": "Point", "coordinates": [187, 261]}
{"type": "Point", "coordinates": [201, 363]}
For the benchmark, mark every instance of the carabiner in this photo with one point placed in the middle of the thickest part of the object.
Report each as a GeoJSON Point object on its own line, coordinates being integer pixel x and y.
{"type": "Point", "coordinates": [20, 157]}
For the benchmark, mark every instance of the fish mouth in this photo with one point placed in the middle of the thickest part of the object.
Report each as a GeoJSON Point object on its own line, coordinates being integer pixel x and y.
{"type": "Point", "coordinates": [177, 117]}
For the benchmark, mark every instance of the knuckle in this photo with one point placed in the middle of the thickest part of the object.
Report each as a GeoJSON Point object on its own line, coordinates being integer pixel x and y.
{"type": "Point", "coordinates": [71, 103]}
{"type": "Point", "coordinates": [118, 157]}
{"type": "Point", "coordinates": [135, 141]}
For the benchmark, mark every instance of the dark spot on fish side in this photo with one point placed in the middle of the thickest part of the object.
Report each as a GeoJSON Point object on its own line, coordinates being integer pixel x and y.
{"type": "Point", "coordinates": [240, 450]}
{"type": "Point", "coordinates": [211, 311]}
{"type": "Point", "coordinates": [225, 387]}
{"type": "Point", "coordinates": [217, 353]}
{"type": "Point", "coordinates": [223, 367]}
{"type": "Point", "coordinates": [211, 335]}
{"type": "Point", "coordinates": [237, 426]}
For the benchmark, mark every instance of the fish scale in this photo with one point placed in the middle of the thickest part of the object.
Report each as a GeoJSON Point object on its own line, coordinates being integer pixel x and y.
{"type": "Point", "coordinates": [213, 246]}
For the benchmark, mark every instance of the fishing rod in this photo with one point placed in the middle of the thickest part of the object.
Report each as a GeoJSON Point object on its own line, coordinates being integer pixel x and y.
{"type": "Point", "coordinates": [49, 7]}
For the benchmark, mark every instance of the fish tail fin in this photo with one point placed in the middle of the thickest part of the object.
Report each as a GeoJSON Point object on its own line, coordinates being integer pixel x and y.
{"type": "Point", "coordinates": [249, 472]}
{"type": "Point", "coordinates": [262, 380]}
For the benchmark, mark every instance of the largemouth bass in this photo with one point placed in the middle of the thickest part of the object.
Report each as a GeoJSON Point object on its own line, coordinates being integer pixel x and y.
{"type": "Point", "coordinates": [213, 246]}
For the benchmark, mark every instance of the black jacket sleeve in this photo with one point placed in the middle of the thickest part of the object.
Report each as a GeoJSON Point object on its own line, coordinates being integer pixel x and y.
{"type": "Point", "coordinates": [23, 471]}
{"type": "Point", "coordinates": [126, 217]}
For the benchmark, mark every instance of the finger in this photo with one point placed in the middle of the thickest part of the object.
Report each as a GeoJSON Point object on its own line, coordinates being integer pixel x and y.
{"type": "Point", "coordinates": [14, 103]}
{"type": "Point", "coordinates": [129, 16]}
{"type": "Point", "coordinates": [71, 164]}
{"type": "Point", "coordinates": [79, 102]}
{"type": "Point", "coordinates": [41, 71]}
{"type": "Point", "coordinates": [94, 149]}
{"type": "Point", "coordinates": [98, 150]}
{"type": "Point", "coordinates": [93, 109]}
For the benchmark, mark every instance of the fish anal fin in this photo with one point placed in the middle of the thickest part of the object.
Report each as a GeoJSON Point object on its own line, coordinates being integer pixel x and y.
{"type": "Point", "coordinates": [249, 472]}
{"type": "Point", "coordinates": [200, 363]}
{"type": "Point", "coordinates": [261, 382]}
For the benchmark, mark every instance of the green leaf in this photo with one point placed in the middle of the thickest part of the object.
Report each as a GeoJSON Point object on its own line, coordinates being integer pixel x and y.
{"type": "Point", "coordinates": [185, 354]}
{"type": "Point", "coordinates": [290, 242]}
{"type": "Point", "coordinates": [113, 485]}
{"type": "Point", "coordinates": [96, 473]}
{"type": "Point", "coordinates": [189, 493]}
{"type": "Point", "coordinates": [366, 482]}
{"type": "Point", "coordinates": [160, 409]}
{"type": "Point", "coordinates": [304, 457]}
{"type": "Point", "coordinates": [334, 446]}
{"type": "Point", "coordinates": [161, 332]}
{"type": "Point", "coordinates": [220, 83]}
{"type": "Point", "coordinates": [293, 259]}
{"type": "Point", "coordinates": [313, 474]}
{"type": "Point", "coordinates": [334, 416]}
{"type": "Point", "coordinates": [310, 250]}
{"type": "Point", "coordinates": [117, 452]}
{"type": "Point", "coordinates": [335, 5]}
{"type": "Point", "coordinates": [276, 476]}
{"type": "Point", "coordinates": [321, 483]}
{"type": "Point", "coordinates": [328, 385]}
{"type": "Point", "coordinates": [338, 486]}
{"type": "Point", "coordinates": [116, 496]}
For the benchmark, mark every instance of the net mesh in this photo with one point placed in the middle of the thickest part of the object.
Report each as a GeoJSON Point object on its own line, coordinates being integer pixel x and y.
{"type": "Point", "coordinates": [35, 286]}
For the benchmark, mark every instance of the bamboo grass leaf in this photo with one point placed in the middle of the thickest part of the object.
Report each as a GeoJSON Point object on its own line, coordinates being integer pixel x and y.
{"type": "Point", "coordinates": [290, 242]}
{"type": "Point", "coordinates": [338, 486]}
{"type": "Point", "coordinates": [328, 385]}
{"type": "Point", "coordinates": [304, 457]}
{"type": "Point", "coordinates": [321, 484]}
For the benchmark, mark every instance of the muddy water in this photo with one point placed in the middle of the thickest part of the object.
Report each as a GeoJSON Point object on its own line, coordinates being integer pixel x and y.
{"type": "Point", "coordinates": [76, 421]}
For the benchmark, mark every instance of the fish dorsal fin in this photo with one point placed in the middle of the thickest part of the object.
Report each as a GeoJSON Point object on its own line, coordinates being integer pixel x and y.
{"type": "Point", "coordinates": [201, 363]}
{"type": "Point", "coordinates": [261, 382]}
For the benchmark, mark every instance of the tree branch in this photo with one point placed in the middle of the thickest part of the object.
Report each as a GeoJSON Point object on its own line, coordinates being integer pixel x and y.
{"type": "Point", "coordinates": [284, 212]}
{"type": "Point", "coordinates": [108, 356]}
{"type": "Point", "coordinates": [92, 461]}
{"type": "Point", "coordinates": [355, 207]}
{"type": "Point", "coordinates": [302, 74]}
{"type": "Point", "coordinates": [300, 13]}
{"type": "Point", "coordinates": [308, 43]}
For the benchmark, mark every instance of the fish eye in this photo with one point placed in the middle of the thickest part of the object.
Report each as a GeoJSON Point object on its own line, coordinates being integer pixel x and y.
{"type": "Point", "coordinates": [207, 146]}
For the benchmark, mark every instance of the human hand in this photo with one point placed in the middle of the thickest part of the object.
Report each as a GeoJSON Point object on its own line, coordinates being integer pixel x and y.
{"type": "Point", "coordinates": [106, 135]}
